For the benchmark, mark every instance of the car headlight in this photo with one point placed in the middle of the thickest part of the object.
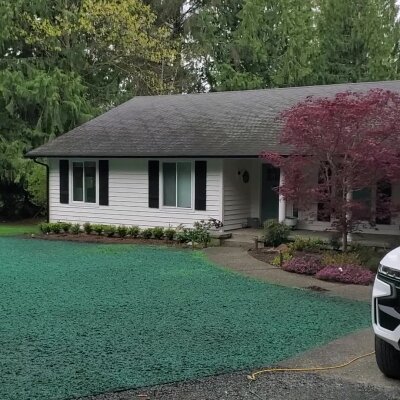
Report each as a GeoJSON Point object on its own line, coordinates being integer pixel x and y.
{"type": "Point", "coordinates": [389, 272]}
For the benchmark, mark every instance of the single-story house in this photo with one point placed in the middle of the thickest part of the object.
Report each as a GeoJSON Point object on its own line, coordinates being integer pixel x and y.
{"type": "Point", "coordinates": [175, 159]}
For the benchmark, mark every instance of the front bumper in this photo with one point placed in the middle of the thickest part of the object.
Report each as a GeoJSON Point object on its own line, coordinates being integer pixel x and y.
{"type": "Point", "coordinates": [386, 309]}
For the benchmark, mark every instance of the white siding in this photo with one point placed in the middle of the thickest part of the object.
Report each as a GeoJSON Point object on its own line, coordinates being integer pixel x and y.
{"type": "Point", "coordinates": [128, 198]}
{"type": "Point", "coordinates": [237, 194]}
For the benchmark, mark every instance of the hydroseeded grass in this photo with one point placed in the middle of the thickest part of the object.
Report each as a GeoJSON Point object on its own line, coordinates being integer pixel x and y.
{"type": "Point", "coordinates": [80, 319]}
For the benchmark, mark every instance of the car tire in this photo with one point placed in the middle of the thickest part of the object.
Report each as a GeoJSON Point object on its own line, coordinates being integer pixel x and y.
{"type": "Point", "coordinates": [387, 358]}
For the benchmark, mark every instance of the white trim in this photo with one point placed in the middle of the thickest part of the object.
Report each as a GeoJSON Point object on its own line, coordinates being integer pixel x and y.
{"type": "Point", "coordinates": [161, 184]}
{"type": "Point", "coordinates": [83, 203]}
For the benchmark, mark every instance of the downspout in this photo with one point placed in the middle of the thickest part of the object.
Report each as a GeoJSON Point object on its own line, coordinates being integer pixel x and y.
{"type": "Point", "coordinates": [47, 187]}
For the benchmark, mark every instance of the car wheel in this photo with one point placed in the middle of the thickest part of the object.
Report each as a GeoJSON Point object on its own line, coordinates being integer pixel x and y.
{"type": "Point", "coordinates": [387, 358]}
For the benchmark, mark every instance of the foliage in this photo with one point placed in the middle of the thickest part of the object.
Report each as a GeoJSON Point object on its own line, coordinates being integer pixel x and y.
{"type": "Point", "coordinates": [122, 231]}
{"type": "Point", "coordinates": [352, 139]}
{"type": "Point", "coordinates": [147, 233]}
{"type": "Point", "coordinates": [369, 257]}
{"type": "Point", "coordinates": [183, 235]}
{"type": "Point", "coordinates": [88, 228]}
{"type": "Point", "coordinates": [134, 231]}
{"type": "Point", "coordinates": [353, 274]}
{"type": "Point", "coordinates": [285, 256]}
{"type": "Point", "coordinates": [36, 186]}
{"type": "Point", "coordinates": [357, 41]}
{"type": "Point", "coordinates": [307, 265]}
{"type": "Point", "coordinates": [169, 233]}
{"type": "Point", "coordinates": [55, 227]}
{"type": "Point", "coordinates": [63, 64]}
{"type": "Point", "coordinates": [109, 230]}
{"type": "Point", "coordinates": [98, 228]}
{"type": "Point", "coordinates": [307, 244]}
{"type": "Point", "coordinates": [341, 258]}
{"type": "Point", "coordinates": [75, 229]}
{"type": "Point", "coordinates": [65, 226]}
{"type": "Point", "coordinates": [275, 233]}
{"type": "Point", "coordinates": [45, 227]}
{"type": "Point", "coordinates": [158, 232]}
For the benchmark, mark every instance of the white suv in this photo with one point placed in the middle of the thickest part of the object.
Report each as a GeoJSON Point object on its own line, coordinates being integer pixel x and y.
{"type": "Point", "coordinates": [386, 314]}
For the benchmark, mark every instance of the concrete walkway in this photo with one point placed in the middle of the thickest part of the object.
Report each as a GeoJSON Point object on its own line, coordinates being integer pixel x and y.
{"type": "Point", "coordinates": [237, 259]}
{"type": "Point", "coordinates": [364, 371]}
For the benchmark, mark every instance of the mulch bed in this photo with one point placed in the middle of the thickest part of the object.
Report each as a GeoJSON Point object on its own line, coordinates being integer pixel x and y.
{"type": "Point", "coordinates": [84, 238]}
{"type": "Point", "coordinates": [266, 254]}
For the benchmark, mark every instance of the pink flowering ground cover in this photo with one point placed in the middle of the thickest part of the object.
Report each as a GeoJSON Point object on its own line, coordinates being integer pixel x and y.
{"type": "Point", "coordinates": [354, 274]}
{"type": "Point", "coordinates": [307, 265]}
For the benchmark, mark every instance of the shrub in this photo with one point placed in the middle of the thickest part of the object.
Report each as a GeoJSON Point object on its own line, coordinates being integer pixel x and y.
{"type": "Point", "coordinates": [169, 233]}
{"type": "Point", "coordinates": [65, 226]}
{"type": "Point", "coordinates": [307, 244]}
{"type": "Point", "coordinates": [45, 227]}
{"type": "Point", "coordinates": [88, 228]}
{"type": "Point", "coordinates": [368, 256]}
{"type": "Point", "coordinates": [339, 258]}
{"type": "Point", "coordinates": [201, 232]}
{"type": "Point", "coordinates": [354, 274]}
{"type": "Point", "coordinates": [287, 255]}
{"type": "Point", "coordinates": [147, 233]}
{"type": "Point", "coordinates": [275, 233]}
{"type": "Point", "coordinates": [122, 231]}
{"type": "Point", "coordinates": [158, 232]}
{"type": "Point", "coordinates": [134, 231]}
{"type": "Point", "coordinates": [75, 229]}
{"type": "Point", "coordinates": [96, 228]}
{"type": "Point", "coordinates": [109, 230]}
{"type": "Point", "coordinates": [183, 235]}
{"type": "Point", "coordinates": [55, 227]}
{"type": "Point", "coordinates": [307, 265]}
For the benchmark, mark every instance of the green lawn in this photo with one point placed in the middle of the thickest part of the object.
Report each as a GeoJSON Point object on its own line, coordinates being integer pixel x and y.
{"type": "Point", "coordinates": [16, 229]}
{"type": "Point", "coordinates": [79, 319]}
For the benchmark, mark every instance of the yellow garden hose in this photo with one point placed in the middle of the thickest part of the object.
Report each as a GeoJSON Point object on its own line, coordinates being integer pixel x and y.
{"type": "Point", "coordinates": [253, 376]}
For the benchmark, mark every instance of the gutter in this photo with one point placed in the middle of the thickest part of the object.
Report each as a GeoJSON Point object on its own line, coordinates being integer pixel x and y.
{"type": "Point", "coordinates": [47, 187]}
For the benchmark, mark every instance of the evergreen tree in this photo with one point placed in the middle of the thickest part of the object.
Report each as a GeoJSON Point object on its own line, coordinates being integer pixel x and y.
{"type": "Point", "coordinates": [358, 41]}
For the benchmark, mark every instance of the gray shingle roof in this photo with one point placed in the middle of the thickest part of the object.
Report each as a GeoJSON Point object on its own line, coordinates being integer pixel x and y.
{"type": "Point", "coordinates": [222, 124]}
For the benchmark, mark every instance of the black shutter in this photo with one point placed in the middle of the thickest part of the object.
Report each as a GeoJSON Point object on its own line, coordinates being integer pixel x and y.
{"type": "Point", "coordinates": [103, 182]}
{"type": "Point", "coordinates": [154, 185]}
{"type": "Point", "coordinates": [64, 181]}
{"type": "Point", "coordinates": [200, 191]}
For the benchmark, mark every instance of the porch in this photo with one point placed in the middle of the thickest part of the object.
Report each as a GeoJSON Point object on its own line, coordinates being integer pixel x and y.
{"type": "Point", "coordinates": [245, 238]}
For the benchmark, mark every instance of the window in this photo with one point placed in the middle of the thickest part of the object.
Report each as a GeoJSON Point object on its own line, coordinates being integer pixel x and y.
{"type": "Point", "coordinates": [84, 181]}
{"type": "Point", "coordinates": [177, 184]}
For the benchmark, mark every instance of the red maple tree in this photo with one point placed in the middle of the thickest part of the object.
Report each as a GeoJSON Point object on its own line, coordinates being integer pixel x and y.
{"type": "Point", "coordinates": [336, 148]}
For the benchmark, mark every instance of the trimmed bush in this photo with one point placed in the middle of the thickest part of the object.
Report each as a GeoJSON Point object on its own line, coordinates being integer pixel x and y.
{"type": "Point", "coordinates": [134, 231]}
{"type": "Point", "coordinates": [169, 233]}
{"type": "Point", "coordinates": [55, 227]}
{"type": "Point", "coordinates": [45, 227]}
{"type": "Point", "coordinates": [109, 230]}
{"type": "Point", "coordinates": [88, 228]}
{"type": "Point", "coordinates": [122, 231]}
{"type": "Point", "coordinates": [147, 233]}
{"type": "Point", "coordinates": [183, 235]}
{"type": "Point", "coordinates": [354, 274]}
{"type": "Point", "coordinates": [97, 228]}
{"type": "Point", "coordinates": [158, 232]}
{"type": "Point", "coordinates": [307, 244]}
{"type": "Point", "coordinates": [275, 233]}
{"type": "Point", "coordinates": [339, 258]}
{"type": "Point", "coordinates": [307, 265]}
{"type": "Point", "coordinates": [65, 226]}
{"type": "Point", "coordinates": [75, 229]}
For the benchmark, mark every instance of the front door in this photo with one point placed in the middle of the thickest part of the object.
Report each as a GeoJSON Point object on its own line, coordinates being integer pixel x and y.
{"type": "Point", "coordinates": [269, 194]}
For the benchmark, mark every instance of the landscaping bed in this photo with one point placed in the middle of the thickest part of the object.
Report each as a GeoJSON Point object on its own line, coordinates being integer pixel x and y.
{"type": "Point", "coordinates": [81, 319]}
{"type": "Point", "coordinates": [317, 258]}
